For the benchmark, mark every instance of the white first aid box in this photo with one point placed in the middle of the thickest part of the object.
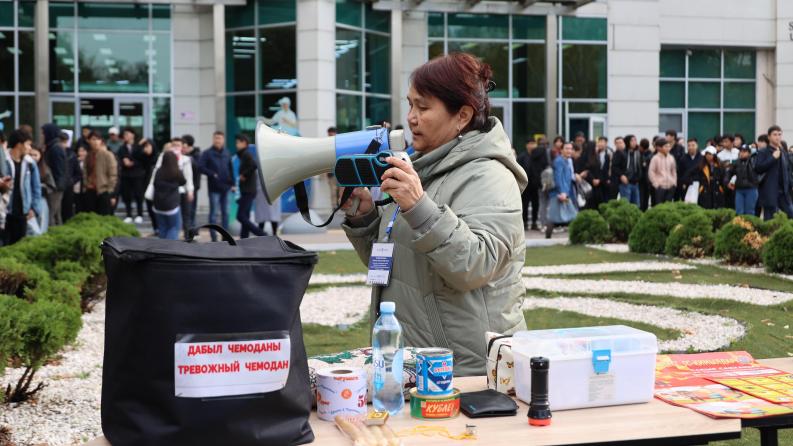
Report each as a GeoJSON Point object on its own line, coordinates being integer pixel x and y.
{"type": "Point", "coordinates": [589, 367]}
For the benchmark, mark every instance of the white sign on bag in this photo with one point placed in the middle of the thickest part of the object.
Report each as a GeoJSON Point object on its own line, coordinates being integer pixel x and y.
{"type": "Point", "coordinates": [214, 369]}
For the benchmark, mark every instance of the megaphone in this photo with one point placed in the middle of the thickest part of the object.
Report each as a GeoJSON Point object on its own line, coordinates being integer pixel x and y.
{"type": "Point", "coordinates": [287, 160]}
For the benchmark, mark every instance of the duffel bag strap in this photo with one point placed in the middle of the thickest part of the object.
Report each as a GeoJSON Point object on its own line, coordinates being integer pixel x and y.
{"type": "Point", "coordinates": [193, 233]}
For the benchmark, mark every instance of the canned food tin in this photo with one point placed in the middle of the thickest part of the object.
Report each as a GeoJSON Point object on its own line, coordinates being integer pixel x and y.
{"type": "Point", "coordinates": [434, 372]}
{"type": "Point", "coordinates": [434, 407]}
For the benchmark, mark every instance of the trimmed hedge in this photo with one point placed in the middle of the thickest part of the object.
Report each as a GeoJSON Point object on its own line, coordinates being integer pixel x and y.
{"type": "Point", "coordinates": [621, 217]}
{"type": "Point", "coordinates": [778, 252]}
{"type": "Point", "coordinates": [740, 242]}
{"type": "Point", "coordinates": [692, 238]}
{"type": "Point", "coordinates": [719, 217]}
{"type": "Point", "coordinates": [588, 227]}
{"type": "Point", "coordinates": [42, 290]}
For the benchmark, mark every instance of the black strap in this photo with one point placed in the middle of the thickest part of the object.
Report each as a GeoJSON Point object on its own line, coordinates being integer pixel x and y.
{"type": "Point", "coordinates": [193, 233]}
{"type": "Point", "coordinates": [301, 196]}
{"type": "Point", "coordinates": [490, 344]}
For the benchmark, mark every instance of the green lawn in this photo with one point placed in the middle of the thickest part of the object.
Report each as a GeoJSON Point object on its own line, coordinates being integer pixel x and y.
{"type": "Point", "coordinates": [766, 336]}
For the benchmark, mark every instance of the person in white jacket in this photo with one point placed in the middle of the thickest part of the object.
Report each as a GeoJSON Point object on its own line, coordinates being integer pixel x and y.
{"type": "Point", "coordinates": [185, 166]}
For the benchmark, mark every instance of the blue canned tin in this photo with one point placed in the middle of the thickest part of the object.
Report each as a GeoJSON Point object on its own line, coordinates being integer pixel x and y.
{"type": "Point", "coordinates": [434, 372]}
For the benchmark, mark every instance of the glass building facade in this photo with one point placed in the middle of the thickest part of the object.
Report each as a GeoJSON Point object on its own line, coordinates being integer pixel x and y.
{"type": "Point", "coordinates": [363, 65]}
{"type": "Point", "coordinates": [707, 92]}
{"type": "Point", "coordinates": [16, 62]}
{"type": "Point", "coordinates": [261, 62]}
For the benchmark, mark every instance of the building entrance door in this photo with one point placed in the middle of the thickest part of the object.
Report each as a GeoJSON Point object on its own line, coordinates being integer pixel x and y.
{"type": "Point", "coordinates": [101, 113]}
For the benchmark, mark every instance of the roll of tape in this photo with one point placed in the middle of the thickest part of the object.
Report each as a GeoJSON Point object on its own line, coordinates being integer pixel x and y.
{"type": "Point", "coordinates": [341, 391]}
{"type": "Point", "coordinates": [434, 407]}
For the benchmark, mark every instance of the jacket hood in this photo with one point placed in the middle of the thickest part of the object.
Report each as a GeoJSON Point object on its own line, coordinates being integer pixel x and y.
{"type": "Point", "coordinates": [51, 133]}
{"type": "Point", "coordinates": [492, 144]}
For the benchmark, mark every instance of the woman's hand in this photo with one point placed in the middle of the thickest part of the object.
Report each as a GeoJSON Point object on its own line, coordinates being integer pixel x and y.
{"type": "Point", "coordinates": [402, 183]}
{"type": "Point", "coordinates": [562, 197]}
{"type": "Point", "coordinates": [366, 203]}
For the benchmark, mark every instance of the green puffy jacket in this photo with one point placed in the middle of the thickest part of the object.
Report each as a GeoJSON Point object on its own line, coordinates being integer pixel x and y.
{"type": "Point", "coordinates": [459, 251]}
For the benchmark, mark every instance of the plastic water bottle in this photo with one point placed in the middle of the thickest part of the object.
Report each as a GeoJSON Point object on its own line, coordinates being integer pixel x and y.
{"type": "Point", "coordinates": [387, 357]}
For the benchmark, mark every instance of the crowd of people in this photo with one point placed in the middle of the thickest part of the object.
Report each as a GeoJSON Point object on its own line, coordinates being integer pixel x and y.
{"type": "Point", "coordinates": [752, 177]}
{"type": "Point", "coordinates": [45, 184]}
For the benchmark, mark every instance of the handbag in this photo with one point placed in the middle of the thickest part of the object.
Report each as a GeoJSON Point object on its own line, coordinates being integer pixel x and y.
{"type": "Point", "coordinates": [203, 342]}
{"type": "Point", "coordinates": [500, 363]}
{"type": "Point", "coordinates": [692, 193]}
{"type": "Point", "coordinates": [546, 179]}
{"type": "Point", "coordinates": [561, 212]}
{"type": "Point", "coordinates": [584, 192]}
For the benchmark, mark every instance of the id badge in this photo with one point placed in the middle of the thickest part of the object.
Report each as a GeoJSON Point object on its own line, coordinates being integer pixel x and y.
{"type": "Point", "coordinates": [380, 262]}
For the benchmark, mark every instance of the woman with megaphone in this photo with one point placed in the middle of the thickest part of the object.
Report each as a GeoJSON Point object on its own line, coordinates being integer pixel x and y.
{"type": "Point", "coordinates": [456, 218]}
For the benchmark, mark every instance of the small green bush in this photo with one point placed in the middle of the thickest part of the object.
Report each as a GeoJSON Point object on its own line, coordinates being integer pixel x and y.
{"type": "Point", "coordinates": [692, 238]}
{"type": "Point", "coordinates": [720, 217]}
{"type": "Point", "coordinates": [739, 242]}
{"type": "Point", "coordinates": [778, 252]}
{"type": "Point", "coordinates": [588, 227]}
{"type": "Point", "coordinates": [650, 233]}
{"type": "Point", "coordinates": [17, 276]}
{"type": "Point", "coordinates": [621, 217]}
{"type": "Point", "coordinates": [768, 228]}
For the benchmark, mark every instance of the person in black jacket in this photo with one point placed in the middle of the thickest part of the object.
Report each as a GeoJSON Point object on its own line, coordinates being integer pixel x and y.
{"type": "Point", "coordinates": [74, 175]}
{"type": "Point", "coordinates": [677, 153]}
{"type": "Point", "coordinates": [529, 195]}
{"type": "Point", "coordinates": [167, 180]}
{"type": "Point", "coordinates": [745, 182]}
{"type": "Point", "coordinates": [711, 177]}
{"type": "Point", "coordinates": [646, 190]}
{"type": "Point", "coordinates": [689, 165]}
{"type": "Point", "coordinates": [55, 158]}
{"type": "Point", "coordinates": [600, 173]}
{"type": "Point", "coordinates": [774, 164]}
{"type": "Point", "coordinates": [189, 207]}
{"type": "Point", "coordinates": [248, 177]}
{"type": "Point", "coordinates": [539, 160]}
{"type": "Point", "coordinates": [133, 175]}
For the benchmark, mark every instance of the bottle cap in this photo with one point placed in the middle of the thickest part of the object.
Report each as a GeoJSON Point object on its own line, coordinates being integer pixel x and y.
{"type": "Point", "coordinates": [387, 307]}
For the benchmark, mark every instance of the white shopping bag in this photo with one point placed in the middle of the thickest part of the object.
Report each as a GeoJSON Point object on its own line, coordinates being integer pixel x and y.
{"type": "Point", "coordinates": [692, 194]}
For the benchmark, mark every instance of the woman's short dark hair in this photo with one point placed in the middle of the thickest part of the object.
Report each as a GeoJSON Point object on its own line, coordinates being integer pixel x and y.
{"type": "Point", "coordinates": [644, 143]}
{"type": "Point", "coordinates": [457, 79]}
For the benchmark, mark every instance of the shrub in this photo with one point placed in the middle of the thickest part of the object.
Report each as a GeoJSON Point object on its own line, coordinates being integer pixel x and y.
{"type": "Point", "coordinates": [692, 238]}
{"type": "Point", "coordinates": [739, 242]}
{"type": "Point", "coordinates": [720, 217]}
{"type": "Point", "coordinates": [621, 217]}
{"type": "Point", "coordinates": [778, 252]}
{"type": "Point", "coordinates": [650, 233]}
{"type": "Point", "coordinates": [588, 227]}
{"type": "Point", "coordinates": [768, 228]}
{"type": "Point", "coordinates": [16, 276]}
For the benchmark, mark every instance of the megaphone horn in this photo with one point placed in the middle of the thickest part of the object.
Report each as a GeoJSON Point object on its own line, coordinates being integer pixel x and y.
{"type": "Point", "coordinates": [287, 160]}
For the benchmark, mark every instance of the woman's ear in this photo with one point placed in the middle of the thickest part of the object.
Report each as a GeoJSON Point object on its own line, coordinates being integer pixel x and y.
{"type": "Point", "coordinates": [464, 116]}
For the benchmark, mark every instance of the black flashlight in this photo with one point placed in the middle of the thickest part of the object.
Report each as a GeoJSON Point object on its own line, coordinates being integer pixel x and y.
{"type": "Point", "coordinates": [539, 408]}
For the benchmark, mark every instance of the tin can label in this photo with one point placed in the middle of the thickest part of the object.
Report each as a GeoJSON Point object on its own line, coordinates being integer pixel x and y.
{"type": "Point", "coordinates": [435, 369]}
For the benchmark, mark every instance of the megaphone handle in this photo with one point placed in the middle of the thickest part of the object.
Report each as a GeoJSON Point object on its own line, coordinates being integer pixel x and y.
{"type": "Point", "coordinates": [353, 209]}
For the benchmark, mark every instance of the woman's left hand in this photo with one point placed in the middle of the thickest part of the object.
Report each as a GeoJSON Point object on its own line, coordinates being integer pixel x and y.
{"type": "Point", "coordinates": [402, 183]}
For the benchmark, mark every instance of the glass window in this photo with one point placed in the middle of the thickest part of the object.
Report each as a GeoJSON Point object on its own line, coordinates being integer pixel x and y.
{"type": "Point", "coordinates": [348, 59]}
{"type": "Point", "coordinates": [740, 122]}
{"type": "Point", "coordinates": [276, 11]}
{"type": "Point", "coordinates": [161, 121]}
{"type": "Point", "coordinates": [587, 107]}
{"type": "Point", "coordinates": [703, 125]}
{"type": "Point", "coordinates": [487, 26]}
{"type": "Point", "coordinates": [113, 15]}
{"type": "Point", "coordinates": [6, 13]}
{"type": "Point", "coordinates": [242, 115]}
{"type": "Point", "coordinates": [26, 61]}
{"type": "Point", "coordinates": [673, 94]}
{"type": "Point", "coordinates": [27, 111]}
{"type": "Point", "coordinates": [161, 62]}
{"type": "Point", "coordinates": [584, 28]}
{"type": "Point", "coordinates": [670, 121]}
{"type": "Point", "coordinates": [739, 95]}
{"type": "Point", "coordinates": [530, 27]}
{"type": "Point", "coordinates": [240, 64]}
{"type": "Point", "coordinates": [497, 55]}
{"type": "Point", "coordinates": [161, 17]}
{"type": "Point", "coordinates": [349, 12]}
{"type": "Point", "coordinates": [377, 110]}
{"type": "Point", "coordinates": [278, 58]}
{"type": "Point", "coordinates": [377, 20]}
{"type": "Point", "coordinates": [7, 50]}
{"type": "Point", "coordinates": [584, 71]}
{"type": "Point", "coordinates": [528, 121]}
{"type": "Point", "coordinates": [739, 64]}
{"type": "Point", "coordinates": [97, 113]}
{"type": "Point", "coordinates": [240, 16]}
{"type": "Point", "coordinates": [378, 64]}
{"type": "Point", "coordinates": [704, 64]}
{"type": "Point", "coordinates": [62, 14]}
{"type": "Point", "coordinates": [704, 95]}
{"type": "Point", "coordinates": [27, 14]}
{"type": "Point", "coordinates": [113, 62]}
{"type": "Point", "coordinates": [435, 24]}
{"type": "Point", "coordinates": [61, 61]}
{"type": "Point", "coordinates": [435, 49]}
{"type": "Point", "coordinates": [673, 63]}
{"type": "Point", "coordinates": [270, 107]}
{"type": "Point", "coordinates": [7, 114]}
{"type": "Point", "coordinates": [63, 114]}
{"type": "Point", "coordinates": [528, 70]}
{"type": "Point", "coordinates": [348, 113]}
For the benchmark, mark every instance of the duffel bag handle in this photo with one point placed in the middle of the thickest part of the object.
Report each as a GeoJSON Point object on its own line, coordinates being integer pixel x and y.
{"type": "Point", "coordinates": [193, 233]}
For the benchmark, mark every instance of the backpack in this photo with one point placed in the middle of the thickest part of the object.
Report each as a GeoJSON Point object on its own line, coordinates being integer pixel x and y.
{"type": "Point", "coordinates": [546, 179]}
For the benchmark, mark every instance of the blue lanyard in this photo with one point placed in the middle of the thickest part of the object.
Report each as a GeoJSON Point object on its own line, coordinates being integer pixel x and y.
{"type": "Point", "coordinates": [391, 224]}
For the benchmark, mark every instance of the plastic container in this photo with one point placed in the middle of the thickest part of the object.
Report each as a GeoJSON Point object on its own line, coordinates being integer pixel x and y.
{"type": "Point", "coordinates": [387, 359]}
{"type": "Point", "coordinates": [589, 367]}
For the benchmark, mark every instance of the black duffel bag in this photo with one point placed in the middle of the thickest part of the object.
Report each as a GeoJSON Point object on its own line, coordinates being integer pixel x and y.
{"type": "Point", "coordinates": [204, 344]}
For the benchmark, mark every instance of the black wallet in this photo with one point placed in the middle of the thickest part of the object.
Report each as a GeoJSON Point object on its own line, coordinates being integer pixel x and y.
{"type": "Point", "coordinates": [487, 403]}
